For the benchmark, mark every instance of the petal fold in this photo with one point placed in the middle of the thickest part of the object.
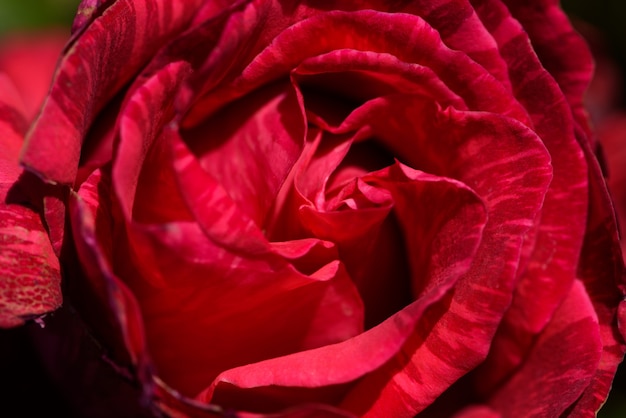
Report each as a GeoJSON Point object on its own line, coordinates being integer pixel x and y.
{"type": "Point", "coordinates": [30, 274]}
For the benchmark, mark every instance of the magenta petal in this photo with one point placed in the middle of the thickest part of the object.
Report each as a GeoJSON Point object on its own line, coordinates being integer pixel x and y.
{"type": "Point", "coordinates": [463, 328]}
{"type": "Point", "coordinates": [562, 50]}
{"type": "Point", "coordinates": [173, 403]}
{"type": "Point", "coordinates": [560, 365]}
{"type": "Point", "coordinates": [601, 269]}
{"type": "Point", "coordinates": [222, 220]}
{"type": "Point", "coordinates": [30, 271]}
{"type": "Point", "coordinates": [142, 161]}
{"type": "Point", "coordinates": [463, 30]}
{"type": "Point", "coordinates": [250, 146]}
{"type": "Point", "coordinates": [427, 228]}
{"type": "Point", "coordinates": [277, 312]}
{"type": "Point", "coordinates": [87, 11]}
{"type": "Point", "coordinates": [178, 264]}
{"type": "Point", "coordinates": [96, 66]}
{"type": "Point", "coordinates": [110, 296]}
{"type": "Point", "coordinates": [364, 75]}
{"type": "Point", "coordinates": [341, 30]}
{"type": "Point", "coordinates": [352, 359]}
{"type": "Point", "coordinates": [547, 272]}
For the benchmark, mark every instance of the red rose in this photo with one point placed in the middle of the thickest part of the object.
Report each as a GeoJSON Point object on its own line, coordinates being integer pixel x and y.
{"type": "Point", "coordinates": [372, 208]}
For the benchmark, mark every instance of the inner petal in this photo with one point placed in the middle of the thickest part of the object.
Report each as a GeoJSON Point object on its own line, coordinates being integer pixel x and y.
{"type": "Point", "coordinates": [250, 146]}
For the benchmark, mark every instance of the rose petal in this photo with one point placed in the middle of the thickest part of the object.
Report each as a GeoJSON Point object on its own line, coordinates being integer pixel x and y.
{"type": "Point", "coordinates": [560, 365]}
{"type": "Point", "coordinates": [221, 219]}
{"type": "Point", "coordinates": [87, 11]}
{"type": "Point", "coordinates": [354, 358]}
{"type": "Point", "coordinates": [174, 404]}
{"type": "Point", "coordinates": [463, 330]}
{"type": "Point", "coordinates": [602, 270]}
{"type": "Point", "coordinates": [167, 266]}
{"type": "Point", "coordinates": [142, 164]}
{"type": "Point", "coordinates": [269, 123]}
{"type": "Point", "coordinates": [546, 273]}
{"type": "Point", "coordinates": [460, 28]}
{"type": "Point", "coordinates": [30, 271]}
{"type": "Point", "coordinates": [107, 289]}
{"type": "Point", "coordinates": [371, 75]}
{"type": "Point", "coordinates": [96, 66]}
{"type": "Point", "coordinates": [188, 357]}
{"type": "Point", "coordinates": [340, 30]}
{"type": "Point", "coordinates": [562, 51]}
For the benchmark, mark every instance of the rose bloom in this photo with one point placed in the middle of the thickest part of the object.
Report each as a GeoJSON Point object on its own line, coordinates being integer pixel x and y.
{"type": "Point", "coordinates": [312, 209]}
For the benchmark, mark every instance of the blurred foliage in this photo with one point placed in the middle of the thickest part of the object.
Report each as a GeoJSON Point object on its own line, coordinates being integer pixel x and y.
{"type": "Point", "coordinates": [24, 15]}
{"type": "Point", "coordinates": [609, 16]}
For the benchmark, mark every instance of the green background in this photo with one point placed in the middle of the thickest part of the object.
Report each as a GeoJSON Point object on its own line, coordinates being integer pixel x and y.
{"type": "Point", "coordinates": [607, 15]}
{"type": "Point", "coordinates": [33, 14]}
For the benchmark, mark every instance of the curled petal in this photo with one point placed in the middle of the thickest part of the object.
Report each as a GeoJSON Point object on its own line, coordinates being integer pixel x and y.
{"type": "Point", "coordinates": [30, 275]}
{"type": "Point", "coordinates": [561, 364]}
{"type": "Point", "coordinates": [95, 67]}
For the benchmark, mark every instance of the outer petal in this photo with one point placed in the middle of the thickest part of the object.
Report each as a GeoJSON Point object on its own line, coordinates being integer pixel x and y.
{"type": "Point", "coordinates": [562, 51]}
{"type": "Point", "coordinates": [560, 365]}
{"type": "Point", "coordinates": [601, 268]}
{"type": "Point", "coordinates": [108, 304]}
{"type": "Point", "coordinates": [142, 162]}
{"type": "Point", "coordinates": [548, 271]}
{"type": "Point", "coordinates": [87, 11]}
{"type": "Point", "coordinates": [612, 137]}
{"type": "Point", "coordinates": [29, 270]}
{"type": "Point", "coordinates": [99, 62]}
{"type": "Point", "coordinates": [341, 30]}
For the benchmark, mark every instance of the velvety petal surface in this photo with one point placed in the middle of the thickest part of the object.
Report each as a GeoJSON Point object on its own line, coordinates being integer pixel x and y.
{"type": "Point", "coordinates": [87, 11]}
{"type": "Point", "coordinates": [601, 269]}
{"type": "Point", "coordinates": [339, 30]}
{"type": "Point", "coordinates": [175, 264]}
{"type": "Point", "coordinates": [248, 148]}
{"type": "Point", "coordinates": [548, 271]}
{"type": "Point", "coordinates": [332, 209]}
{"type": "Point", "coordinates": [30, 275]}
{"type": "Point", "coordinates": [463, 327]}
{"type": "Point", "coordinates": [140, 168]}
{"type": "Point", "coordinates": [96, 65]}
{"type": "Point", "coordinates": [562, 50]}
{"type": "Point", "coordinates": [560, 365]}
{"type": "Point", "coordinates": [352, 359]}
